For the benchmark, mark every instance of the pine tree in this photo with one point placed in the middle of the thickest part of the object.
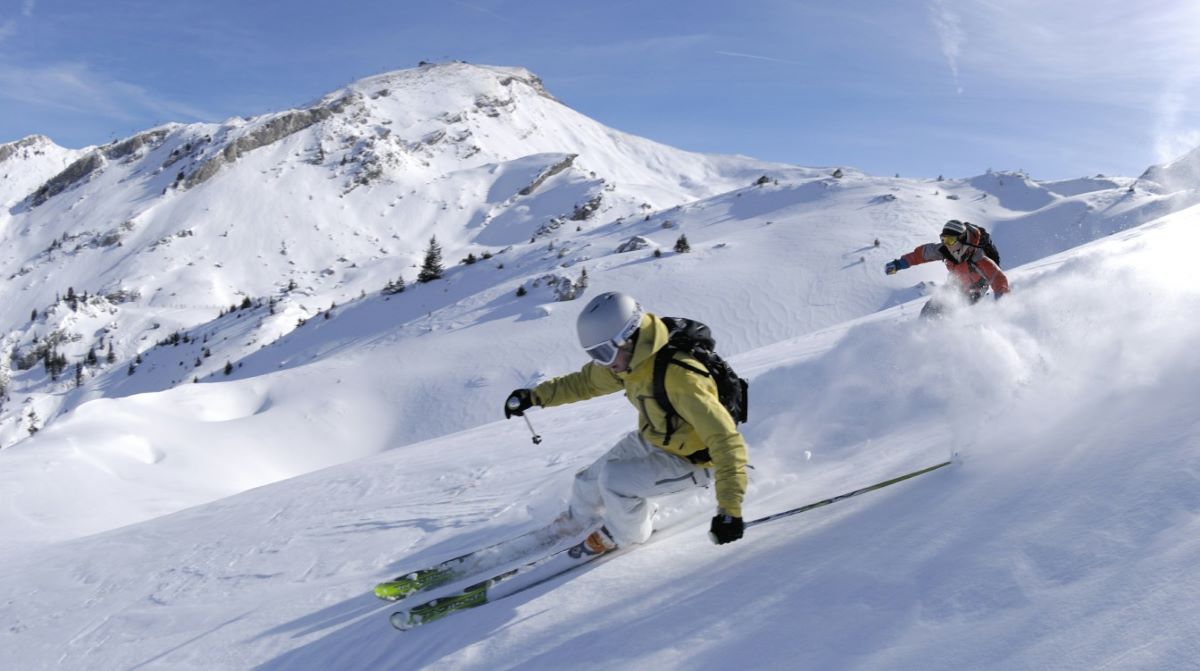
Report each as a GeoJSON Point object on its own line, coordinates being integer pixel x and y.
{"type": "Point", "coordinates": [78, 374]}
{"type": "Point", "coordinates": [432, 268]}
{"type": "Point", "coordinates": [33, 419]}
{"type": "Point", "coordinates": [228, 368]}
{"type": "Point", "coordinates": [111, 357]}
{"type": "Point", "coordinates": [91, 359]}
{"type": "Point", "coordinates": [394, 287]}
{"type": "Point", "coordinates": [681, 245]}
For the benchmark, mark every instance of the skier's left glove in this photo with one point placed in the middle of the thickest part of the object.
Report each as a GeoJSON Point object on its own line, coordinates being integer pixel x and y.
{"type": "Point", "coordinates": [725, 528]}
{"type": "Point", "coordinates": [518, 402]}
{"type": "Point", "coordinates": [895, 265]}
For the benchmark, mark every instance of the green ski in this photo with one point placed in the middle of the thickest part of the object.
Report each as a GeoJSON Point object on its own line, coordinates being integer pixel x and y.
{"type": "Point", "coordinates": [505, 583]}
{"type": "Point", "coordinates": [475, 562]}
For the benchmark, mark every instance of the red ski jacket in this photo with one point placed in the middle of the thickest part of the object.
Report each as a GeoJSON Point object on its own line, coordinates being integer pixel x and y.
{"type": "Point", "coordinates": [974, 273]}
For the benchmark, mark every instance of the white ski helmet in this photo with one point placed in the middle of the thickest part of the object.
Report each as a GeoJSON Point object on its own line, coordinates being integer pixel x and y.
{"type": "Point", "coordinates": [956, 228]}
{"type": "Point", "coordinates": [607, 322]}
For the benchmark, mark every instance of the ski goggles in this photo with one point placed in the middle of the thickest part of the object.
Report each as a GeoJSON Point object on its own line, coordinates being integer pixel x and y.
{"type": "Point", "coordinates": [949, 240]}
{"type": "Point", "coordinates": [605, 353]}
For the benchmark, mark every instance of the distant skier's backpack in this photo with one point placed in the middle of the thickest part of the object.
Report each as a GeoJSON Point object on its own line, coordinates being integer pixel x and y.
{"type": "Point", "coordinates": [694, 338]}
{"type": "Point", "coordinates": [977, 236]}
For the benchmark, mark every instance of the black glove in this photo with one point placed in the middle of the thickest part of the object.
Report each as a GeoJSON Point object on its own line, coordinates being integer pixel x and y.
{"type": "Point", "coordinates": [518, 402]}
{"type": "Point", "coordinates": [726, 529]}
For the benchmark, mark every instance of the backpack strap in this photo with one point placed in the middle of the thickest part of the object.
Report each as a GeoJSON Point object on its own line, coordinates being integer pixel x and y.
{"type": "Point", "coordinates": [663, 358]}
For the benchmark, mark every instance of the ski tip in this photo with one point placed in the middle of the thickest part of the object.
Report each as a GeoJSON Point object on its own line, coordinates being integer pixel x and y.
{"type": "Point", "coordinates": [391, 591]}
{"type": "Point", "coordinates": [401, 620]}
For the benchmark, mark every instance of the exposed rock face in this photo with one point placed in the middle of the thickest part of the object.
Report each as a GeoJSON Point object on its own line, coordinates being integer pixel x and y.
{"type": "Point", "coordinates": [268, 133]}
{"type": "Point", "coordinates": [534, 82]}
{"type": "Point", "coordinates": [633, 244]}
{"type": "Point", "coordinates": [130, 146]}
{"type": "Point", "coordinates": [548, 173]}
{"type": "Point", "coordinates": [10, 149]}
{"type": "Point", "coordinates": [564, 288]}
{"type": "Point", "coordinates": [64, 180]}
{"type": "Point", "coordinates": [93, 161]}
{"type": "Point", "coordinates": [585, 211]}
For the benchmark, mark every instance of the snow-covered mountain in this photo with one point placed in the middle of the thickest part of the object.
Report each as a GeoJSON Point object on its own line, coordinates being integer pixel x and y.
{"type": "Point", "coordinates": [165, 230]}
{"type": "Point", "coordinates": [260, 247]}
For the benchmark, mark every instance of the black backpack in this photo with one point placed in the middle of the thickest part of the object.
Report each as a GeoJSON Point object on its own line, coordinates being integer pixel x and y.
{"type": "Point", "coordinates": [985, 242]}
{"type": "Point", "coordinates": [694, 338]}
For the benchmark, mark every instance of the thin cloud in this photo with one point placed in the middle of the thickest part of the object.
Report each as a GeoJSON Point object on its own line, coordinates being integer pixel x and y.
{"type": "Point", "coordinates": [951, 35]}
{"type": "Point", "coordinates": [1093, 47]}
{"type": "Point", "coordinates": [76, 88]}
{"type": "Point", "coordinates": [485, 10]}
{"type": "Point", "coordinates": [771, 59]}
{"type": "Point", "coordinates": [1108, 52]}
{"type": "Point", "coordinates": [27, 9]}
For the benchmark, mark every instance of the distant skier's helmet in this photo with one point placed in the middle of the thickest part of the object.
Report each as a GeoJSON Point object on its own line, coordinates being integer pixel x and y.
{"type": "Point", "coordinates": [607, 322]}
{"type": "Point", "coordinates": [953, 231]}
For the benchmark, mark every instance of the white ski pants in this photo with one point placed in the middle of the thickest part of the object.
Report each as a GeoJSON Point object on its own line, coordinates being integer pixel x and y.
{"type": "Point", "coordinates": [616, 487]}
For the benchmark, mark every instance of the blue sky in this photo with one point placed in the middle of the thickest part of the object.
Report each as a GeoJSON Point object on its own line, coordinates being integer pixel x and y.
{"type": "Point", "coordinates": [921, 88]}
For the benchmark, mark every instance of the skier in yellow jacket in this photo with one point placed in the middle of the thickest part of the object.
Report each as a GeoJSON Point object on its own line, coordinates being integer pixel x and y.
{"type": "Point", "coordinates": [622, 339]}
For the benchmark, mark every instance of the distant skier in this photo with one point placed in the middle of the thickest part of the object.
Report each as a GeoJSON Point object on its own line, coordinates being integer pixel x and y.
{"type": "Point", "coordinates": [669, 453]}
{"type": "Point", "coordinates": [970, 256]}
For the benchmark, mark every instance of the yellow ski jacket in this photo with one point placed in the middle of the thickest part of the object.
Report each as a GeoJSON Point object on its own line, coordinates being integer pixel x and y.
{"type": "Point", "coordinates": [703, 422]}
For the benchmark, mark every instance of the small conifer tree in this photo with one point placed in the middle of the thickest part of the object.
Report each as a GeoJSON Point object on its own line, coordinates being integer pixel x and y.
{"type": "Point", "coordinates": [681, 245]}
{"type": "Point", "coordinates": [394, 287]}
{"type": "Point", "coordinates": [432, 268]}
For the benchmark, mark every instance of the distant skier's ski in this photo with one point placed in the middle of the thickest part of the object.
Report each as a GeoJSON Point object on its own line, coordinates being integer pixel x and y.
{"type": "Point", "coordinates": [475, 562]}
{"type": "Point", "coordinates": [505, 583]}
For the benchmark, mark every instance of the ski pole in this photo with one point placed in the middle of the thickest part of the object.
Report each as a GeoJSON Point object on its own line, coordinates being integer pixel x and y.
{"type": "Point", "coordinates": [514, 404]}
{"type": "Point", "coordinates": [835, 499]}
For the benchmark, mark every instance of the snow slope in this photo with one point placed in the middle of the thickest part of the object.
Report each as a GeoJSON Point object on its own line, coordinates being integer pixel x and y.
{"type": "Point", "coordinates": [1066, 537]}
{"type": "Point", "coordinates": [768, 262]}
